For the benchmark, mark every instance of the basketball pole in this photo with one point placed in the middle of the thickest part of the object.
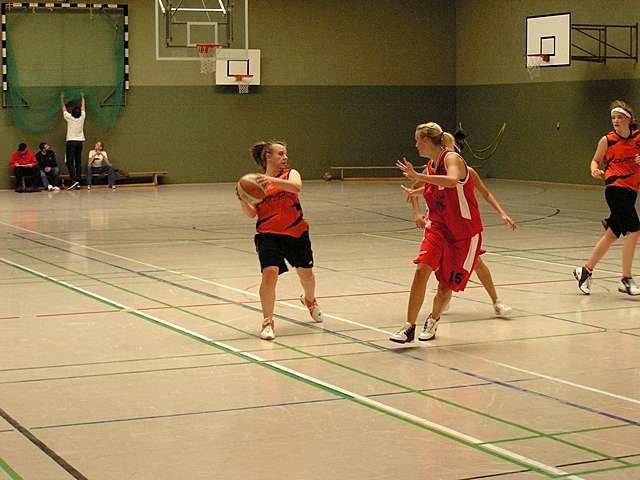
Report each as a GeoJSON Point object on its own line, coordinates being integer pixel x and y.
{"type": "Point", "coordinates": [246, 26]}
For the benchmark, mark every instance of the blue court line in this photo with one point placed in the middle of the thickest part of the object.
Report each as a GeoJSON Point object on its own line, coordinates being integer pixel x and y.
{"type": "Point", "coordinates": [235, 409]}
{"type": "Point", "coordinates": [323, 386]}
{"type": "Point", "coordinates": [348, 337]}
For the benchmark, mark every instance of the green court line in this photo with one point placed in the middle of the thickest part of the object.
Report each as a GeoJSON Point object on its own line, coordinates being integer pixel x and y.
{"type": "Point", "coordinates": [539, 434]}
{"type": "Point", "coordinates": [463, 439]}
{"type": "Point", "coordinates": [366, 374]}
{"type": "Point", "coordinates": [599, 470]}
{"type": "Point", "coordinates": [558, 434]}
{"type": "Point", "coordinates": [192, 367]}
{"type": "Point", "coordinates": [9, 471]}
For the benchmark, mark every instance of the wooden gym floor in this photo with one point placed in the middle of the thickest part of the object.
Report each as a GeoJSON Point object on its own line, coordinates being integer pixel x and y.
{"type": "Point", "coordinates": [130, 345]}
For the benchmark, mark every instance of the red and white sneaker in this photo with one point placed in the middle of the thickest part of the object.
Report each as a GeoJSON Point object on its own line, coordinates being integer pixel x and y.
{"type": "Point", "coordinates": [314, 309]}
{"type": "Point", "coordinates": [267, 332]}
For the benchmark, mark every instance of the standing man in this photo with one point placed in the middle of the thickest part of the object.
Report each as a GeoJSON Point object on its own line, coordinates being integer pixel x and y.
{"type": "Point", "coordinates": [24, 164]}
{"type": "Point", "coordinates": [74, 139]}
{"type": "Point", "coordinates": [49, 171]}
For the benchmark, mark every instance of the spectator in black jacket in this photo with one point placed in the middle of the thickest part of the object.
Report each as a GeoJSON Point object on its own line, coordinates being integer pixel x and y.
{"type": "Point", "coordinates": [49, 171]}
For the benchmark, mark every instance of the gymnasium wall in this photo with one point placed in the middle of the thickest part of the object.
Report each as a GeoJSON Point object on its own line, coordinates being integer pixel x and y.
{"type": "Point", "coordinates": [343, 83]}
{"type": "Point", "coordinates": [553, 122]}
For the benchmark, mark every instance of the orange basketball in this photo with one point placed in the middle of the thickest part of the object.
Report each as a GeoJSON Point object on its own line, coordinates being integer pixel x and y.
{"type": "Point", "coordinates": [250, 190]}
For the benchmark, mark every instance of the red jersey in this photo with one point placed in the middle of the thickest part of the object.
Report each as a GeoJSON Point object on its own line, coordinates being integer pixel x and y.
{"type": "Point", "coordinates": [620, 168]}
{"type": "Point", "coordinates": [280, 212]}
{"type": "Point", "coordinates": [453, 211]}
{"type": "Point", "coordinates": [22, 159]}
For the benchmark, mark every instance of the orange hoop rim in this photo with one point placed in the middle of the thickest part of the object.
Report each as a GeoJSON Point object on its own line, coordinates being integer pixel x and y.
{"type": "Point", "coordinates": [204, 47]}
{"type": "Point", "coordinates": [241, 77]}
{"type": "Point", "coordinates": [544, 56]}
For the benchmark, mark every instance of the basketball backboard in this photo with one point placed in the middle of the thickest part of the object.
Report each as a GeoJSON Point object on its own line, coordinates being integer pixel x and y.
{"type": "Point", "coordinates": [181, 24]}
{"type": "Point", "coordinates": [549, 35]}
{"type": "Point", "coordinates": [233, 62]}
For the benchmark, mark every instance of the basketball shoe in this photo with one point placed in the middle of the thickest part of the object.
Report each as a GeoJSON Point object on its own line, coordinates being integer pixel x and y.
{"type": "Point", "coordinates": [583, 276]}
{"type": "Point", "coordinates": [628, 286]}
{"type": "Point", "coordinates": [501, 309]}
{"type": "Point", "coordinates": [405, 334]}
{"type": "Point", "coordinates": [267, 332]}
{"type": "Point", "coordinates": [429, 329]}
{"type": "Point", "coordinates": [314, 309]}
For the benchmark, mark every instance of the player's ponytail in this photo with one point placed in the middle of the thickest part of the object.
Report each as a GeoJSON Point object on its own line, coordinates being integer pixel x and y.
{"type": "Point", "coordinates": [438, 137]}
{"type": "Point", "coordinates": [259, 152]}
{"type": "Point", "coordinates": [448, 141]}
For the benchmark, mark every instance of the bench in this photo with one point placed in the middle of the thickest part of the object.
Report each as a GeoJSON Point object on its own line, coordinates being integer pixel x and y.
{"type": "Point", "coordinates": [122, 178]}
{"type": "Point", "coordinates": [374, 172]}
{"type": "Point", "coordinates": [153, 177]}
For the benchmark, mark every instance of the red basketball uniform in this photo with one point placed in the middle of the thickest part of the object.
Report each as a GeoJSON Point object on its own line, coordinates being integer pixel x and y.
{"type": "Point", "coordinates": [620, 168]}
{"type": "Point", "coordinates": [452, 242]}
{"type": "Point", "coordinates": [280, 212]}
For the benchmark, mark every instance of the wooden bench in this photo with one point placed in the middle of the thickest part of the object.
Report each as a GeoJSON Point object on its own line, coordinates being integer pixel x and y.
{"type": "Point", "coordinates": [391, 169]}
{"type": "Point", "coordinates": [376, 169]}
{"type": "Point", "coordinates": [153, 177]}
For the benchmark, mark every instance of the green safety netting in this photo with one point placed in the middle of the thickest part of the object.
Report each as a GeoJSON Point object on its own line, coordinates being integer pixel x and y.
{"type": "Point", "coordinates": [56, 51]}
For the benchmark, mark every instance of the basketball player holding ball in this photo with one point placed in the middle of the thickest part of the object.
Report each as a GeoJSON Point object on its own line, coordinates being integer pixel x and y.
{"type": "Point", "coordinates": [282, 231]}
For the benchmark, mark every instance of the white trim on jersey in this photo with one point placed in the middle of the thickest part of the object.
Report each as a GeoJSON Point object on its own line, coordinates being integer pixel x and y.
{"type": "Point", "coordinates": [471, 253]}
{"type": "Point", "coordinates": [465, 212]}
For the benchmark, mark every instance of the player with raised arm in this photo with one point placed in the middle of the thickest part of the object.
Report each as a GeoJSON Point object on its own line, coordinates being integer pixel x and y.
{"type": "Point", "coordinates": [482, 270]}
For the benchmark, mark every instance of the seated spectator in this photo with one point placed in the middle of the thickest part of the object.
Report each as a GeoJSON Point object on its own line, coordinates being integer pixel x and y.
{"type": "Point", "coordinates": [49, 171]}
{"type": "Point", "coordinates": [99, 163]}
{"type": "Point", "coordinates": [24, 164]}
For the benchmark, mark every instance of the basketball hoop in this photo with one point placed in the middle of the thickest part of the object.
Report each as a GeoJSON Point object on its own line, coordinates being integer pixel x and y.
{"type": "Point", "coordinates": [243, 81]}
{"type": "Point", "coordinates": [208, 60]}
{"type": "Point", "coordinates": [534, 62]}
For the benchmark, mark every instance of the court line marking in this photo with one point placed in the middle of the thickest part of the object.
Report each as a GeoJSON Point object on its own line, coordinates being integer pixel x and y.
{"type": "Point", "coordinates": [335, 317]}
{"type": "Point", "coordinates": [516, 257]}
{"type": "Point", "coordinates": [404, 388]}
{"type": "Point", "coordinates": [459, 437]}
{"type": "Point", "coordinates": [338, 334]}
{"type": "Point", "coordinates": [43, 447]}
{"type": "Point", "coordinates": [13, 475]}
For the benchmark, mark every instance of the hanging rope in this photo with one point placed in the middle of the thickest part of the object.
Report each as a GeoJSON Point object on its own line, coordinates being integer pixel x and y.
{"type": "Point", "coordinates": [486, 152]}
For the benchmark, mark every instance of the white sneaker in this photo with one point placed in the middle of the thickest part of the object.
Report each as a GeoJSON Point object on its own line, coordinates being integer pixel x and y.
{"type": "Point", "coordinates": [73, 185]}
{"type": "Point", "coordinates": [406, 334]}
{"type": "Point", "coordinates": [314, 309]}
{"type": "Point", "coordinates": [56, 189]}
{"type": "Point", "coordinates": [267, 332]}
{"type": "Point", "coordinates": [501, 309]}
{"type": "Point", "coordinates": [88, 187]}
{"type": "Point", "coordinates": [583, 276]}
{"type": "Point", "coordinates": [628, 286]}
{"type": "Point", "coordinates": [50, 187]}
{"type": "Point", "coordinates": [429, 330]}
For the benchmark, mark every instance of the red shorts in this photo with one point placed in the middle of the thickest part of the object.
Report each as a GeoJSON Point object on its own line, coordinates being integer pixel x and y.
{"type": "Point", "coordinates": [452, 262]}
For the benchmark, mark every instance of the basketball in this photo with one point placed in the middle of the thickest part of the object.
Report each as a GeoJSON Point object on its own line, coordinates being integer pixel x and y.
{"type": "Point", "coordinates": [250, 190]}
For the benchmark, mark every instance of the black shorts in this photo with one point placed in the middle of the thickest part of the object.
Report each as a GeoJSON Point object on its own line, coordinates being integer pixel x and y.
{"type": "Point", "coordinates": [624, 217]}
{"type": "Point", "coordinates": [274, 249]}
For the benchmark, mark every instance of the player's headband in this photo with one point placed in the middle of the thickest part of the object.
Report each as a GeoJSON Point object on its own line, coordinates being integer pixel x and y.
{"type": "Point", "coordinates": [622, 111]}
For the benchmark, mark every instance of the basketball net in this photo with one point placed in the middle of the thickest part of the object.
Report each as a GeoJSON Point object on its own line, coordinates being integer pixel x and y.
{"type": "Point", "coordinates": [534, 62]}
{"type": "Point", "coordinates": [243, 83]}
{"type": "Point", "coordinates": [208, 56]}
